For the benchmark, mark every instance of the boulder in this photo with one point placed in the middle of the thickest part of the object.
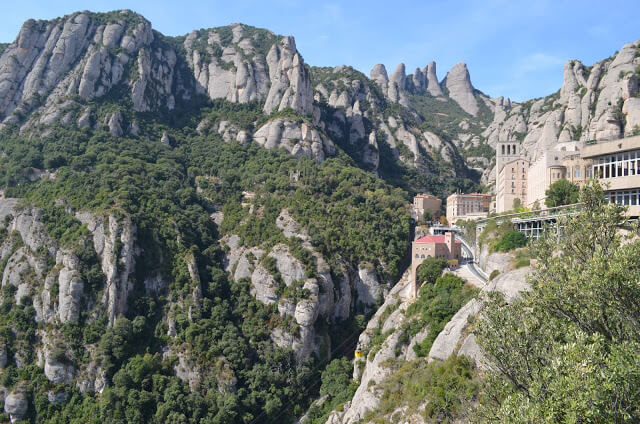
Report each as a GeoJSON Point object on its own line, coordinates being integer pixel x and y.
{"type": "Point", "coordinates": [16, 405]}
{"type": "Point", "coordinates": [447, 340]}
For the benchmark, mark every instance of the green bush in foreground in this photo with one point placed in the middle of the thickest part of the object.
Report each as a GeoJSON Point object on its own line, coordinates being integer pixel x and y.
{"type": "Point", "coordinates": [569, 350]}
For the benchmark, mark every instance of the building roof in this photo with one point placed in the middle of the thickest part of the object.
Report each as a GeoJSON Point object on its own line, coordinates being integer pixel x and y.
{"type": "Point", "coordinates": [479, 195]}
{"type": "Point", "coordinates": [433, 239]}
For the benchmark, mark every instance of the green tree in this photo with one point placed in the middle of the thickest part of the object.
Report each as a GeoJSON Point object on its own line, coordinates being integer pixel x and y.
{"type": "Point", "coordinates": [430, 269]}
{"type": "Point", "coordinates": [562, 192]}
{"type": "Point", "coordinates": [569, 349]}
{"type": "Point", "coordinates": [427, 216]}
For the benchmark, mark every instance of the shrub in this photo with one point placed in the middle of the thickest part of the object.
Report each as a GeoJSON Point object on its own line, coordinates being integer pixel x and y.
{"type": "Point", "coordinates": [511, 240]}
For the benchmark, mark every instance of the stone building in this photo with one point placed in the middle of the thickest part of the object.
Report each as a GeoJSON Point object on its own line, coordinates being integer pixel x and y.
{"type": "Point", "coordinates": [511, 184]}
{"type": "Point", "coordinates": [467, 206]}
{"type": "Point", "coordinates": [443, 246]}
{"type": "Point", "coordinates": [424, 202]}
{"type": "Point", "coordinates": [554, 165]}
{"type": "Point", "coordinates": [617, 164]}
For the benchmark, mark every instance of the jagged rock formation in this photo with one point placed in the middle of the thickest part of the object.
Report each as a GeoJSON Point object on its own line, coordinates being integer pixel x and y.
{"type": "Point", "coordinates": [299, 140]}
{"type": "Point", "coordinates": [114, 244]}
{"type": "Point", "coordinates": [454, 339]}
{"type": "Point", "coordinates": [238, 71]}
{"type": "Point", "coordinates": [56, 70]}
{"type": "Point", "coordinates": [433, 86]}
{"type": "Point", "coordinates": [458, 83]}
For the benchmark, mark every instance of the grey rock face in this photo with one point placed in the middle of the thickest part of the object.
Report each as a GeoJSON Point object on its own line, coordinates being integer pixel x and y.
{"type": "Point", "coordinates": [165, 140]}
{"type": "Point", "coordinates": [108, 232]}
{"type": "Point", "coordinates": [460, 89]}
{"type": "Point", "coordinates": [290, 268]}
{"type": "Point", "coordinates": [592, 105]}
{"type": "Point", "coordinates": [71, 290]}
{"type": "Point", "coordinates": [290, 80]}
{"type": "Point", "coordinates": [58, 372]}
{"type": "Point", "coordinates": [419, 80]}
{"type": "Point", "coordinates": [242, 74]}
{"type": "Point", "coordinates": [16, 405]}
{"type": "Point", "coordinates": [368, 289]}
{"type": "Point", "coordinates": [115, 125]}
{"type": "Point", "coordinates": [397, 86]}
{"type": "Point", "coordinates": [446, 342]}
{"type": "Point", "coordinates": [299, 140]}
{"type": "Point", "coordinates": [511, 284]}
{"type": "Point", "coordinates": [379, 75]}
{"type": "Point", "coordinates": [433, 86]}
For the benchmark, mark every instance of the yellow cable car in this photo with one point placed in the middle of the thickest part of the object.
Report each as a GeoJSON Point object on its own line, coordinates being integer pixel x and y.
{"type": "Point", "coordinates": [359, 353]}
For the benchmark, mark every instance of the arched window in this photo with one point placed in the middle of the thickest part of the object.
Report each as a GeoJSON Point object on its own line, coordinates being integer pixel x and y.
{"type": "Point", "coordinates": [422, 256]}
{"type": "Point", "coordinates": [417, 256]}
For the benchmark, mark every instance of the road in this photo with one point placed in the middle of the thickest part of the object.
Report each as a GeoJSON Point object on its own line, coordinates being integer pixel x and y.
{"type": "Point", "coordinates": [467, 268]}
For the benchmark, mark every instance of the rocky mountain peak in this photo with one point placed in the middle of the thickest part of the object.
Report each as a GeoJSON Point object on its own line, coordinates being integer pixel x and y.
{"type": "Point", "coordinates": [397, 86]}
{"type": "Point", "coordinates": [419, 80]}
{"type": "Point", "coordinates": [379, 75]}
{"type": "Point", "coordinates": [458, 82]}
{"type": "Point", "coordinates": [433, 86]}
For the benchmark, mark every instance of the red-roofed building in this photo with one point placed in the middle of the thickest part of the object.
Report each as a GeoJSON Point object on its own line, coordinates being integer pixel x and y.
{"type": "Point", "coordinates": [443, 246]}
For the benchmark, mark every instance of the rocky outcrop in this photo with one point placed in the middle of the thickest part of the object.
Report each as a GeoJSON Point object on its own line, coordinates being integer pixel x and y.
{"type": "Point", "coordinates": [433, 86]}
{"type": "Point", "coordinates": [297, 139]}
{"type": "Point", "coordinates": [368, 290]}
{"type": "Point", "coordinates": [490, 262]}
{"type": "Point", "coordinates": [58, 372]}
{"type": "Point", "coordinates": [384, 359]}
{"type": "Point", "coordinates": [16, 404]}
{"type": "Point", "coordinates": [447, 341]}
{"type": "Point", "coordinates": [114, 242]}
{"type": "Point", "coordinates": [367, 396]}
{"type": "Point", "coordinates": [458, 83]}
{"type": "Point", "coordinates": [242, 73]}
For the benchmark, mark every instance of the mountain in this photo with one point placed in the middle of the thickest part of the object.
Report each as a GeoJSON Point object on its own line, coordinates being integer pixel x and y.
{"type": "Point", "coordinates": [193, 227]}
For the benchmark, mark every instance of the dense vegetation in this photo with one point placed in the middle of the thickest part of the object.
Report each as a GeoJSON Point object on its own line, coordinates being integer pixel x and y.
{"type": "Point", "coordinates": [352, 217]}
{"type": "Point", "coordinates": [562, 192]}
{"type": "Point", "coordinates": [509, 241]}
{"type": "Point", "coordinates": [568, 351]}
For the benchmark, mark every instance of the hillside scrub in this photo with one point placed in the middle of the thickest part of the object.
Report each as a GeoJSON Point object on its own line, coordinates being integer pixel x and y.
{"type": "Point", "coordinates": [447, 390]}
{"type": "Point", "coordinates": [569, 350]}
{"type": "Point", "coordinates": [435, 306]}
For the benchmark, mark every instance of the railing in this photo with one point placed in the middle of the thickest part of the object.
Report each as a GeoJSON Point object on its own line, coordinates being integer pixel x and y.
{"type": "Point", "coordinates": [550, 212]}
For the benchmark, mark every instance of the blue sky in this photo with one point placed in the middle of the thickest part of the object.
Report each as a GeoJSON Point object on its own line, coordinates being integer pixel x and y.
{"type": "Point", "coordinates": [512, 48]}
